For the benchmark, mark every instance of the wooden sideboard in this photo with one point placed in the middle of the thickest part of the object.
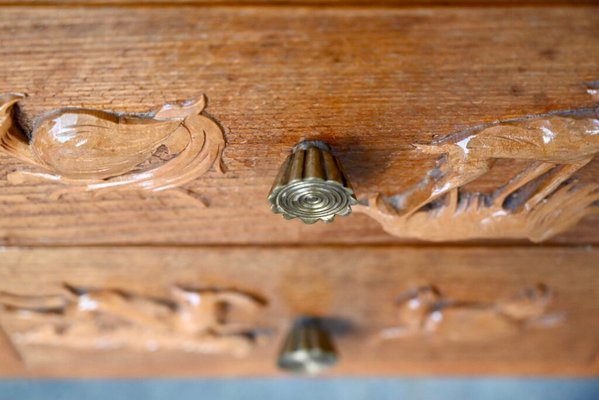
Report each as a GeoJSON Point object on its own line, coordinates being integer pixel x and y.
{"type": "Point", "coordinates": [377, 81]}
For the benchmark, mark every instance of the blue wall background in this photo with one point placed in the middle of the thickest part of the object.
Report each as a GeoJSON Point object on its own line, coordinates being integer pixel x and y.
{"type": "Point", "coordinates": [292, 389]}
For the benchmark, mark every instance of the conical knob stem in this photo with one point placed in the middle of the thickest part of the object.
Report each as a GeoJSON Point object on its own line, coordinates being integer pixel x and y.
{"type": "Point", "coordinates": [308, 348]}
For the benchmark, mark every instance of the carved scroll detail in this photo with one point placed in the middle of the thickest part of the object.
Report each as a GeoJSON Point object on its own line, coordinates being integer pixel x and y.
{"type": "Point", "coordinates": [196, 321]}
{"type": "Point", "coordinates": [425, 312]}
{"type": "Point", "coordinates": [539, 202]}
{"type": "Point", "coordinates": [100, 151]}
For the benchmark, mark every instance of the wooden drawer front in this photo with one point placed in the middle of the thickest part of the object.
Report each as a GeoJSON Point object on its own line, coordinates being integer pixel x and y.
{"type": "Point", "coordinates": [353, 289]}
{"type": "Point", "coordinates": [370, 81]}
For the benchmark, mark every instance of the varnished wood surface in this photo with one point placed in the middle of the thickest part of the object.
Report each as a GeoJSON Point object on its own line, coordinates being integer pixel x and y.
{"type": "Point", "coordinates": [371, 82]}
{"type": "Point", "coordinates": [90, 150]}
{"type": "Point", "coordinates": [284, 3]}
{"type": "Point", "coordinates": [370, 78]}
{"type": "Point", "coordinates": [357, 287]}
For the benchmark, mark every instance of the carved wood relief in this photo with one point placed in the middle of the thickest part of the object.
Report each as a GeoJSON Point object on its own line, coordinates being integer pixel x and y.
{"type": "Point", "coordinates": [539, 202]}
{"type": "Point", "coordinates": [196, 321]}
{"type": "Point", "coordinates": [100, 151]}
{"type": "Point", "coordinates": [425, 312]}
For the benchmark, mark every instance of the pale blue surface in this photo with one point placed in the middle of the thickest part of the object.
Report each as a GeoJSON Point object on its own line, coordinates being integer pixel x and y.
{"type": "Point", "coordinates": [313, 389]}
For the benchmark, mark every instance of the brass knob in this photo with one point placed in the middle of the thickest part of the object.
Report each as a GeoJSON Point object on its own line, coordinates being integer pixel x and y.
{"type": "Point", "coordinates": [311, 185]}
{"type": "Point", "coordinates": [308, 348]}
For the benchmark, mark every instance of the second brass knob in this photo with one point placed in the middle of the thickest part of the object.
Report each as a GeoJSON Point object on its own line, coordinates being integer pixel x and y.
{"type": "Point", "coordinates": [308, 348]}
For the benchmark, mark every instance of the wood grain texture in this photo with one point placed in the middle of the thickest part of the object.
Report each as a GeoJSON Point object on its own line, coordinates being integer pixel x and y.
{"type": "Point", "coordinates": [371, 82]}
{"type": "Point", "coordinates": [304, 3]}
{"type": "Point", "coordinates": [355, 287]}
{"type": "Point", "coordinates": [90, 150]}
{"type": "Point", "coordinates": [538, 202]}
{"type": "Point", "coordinates": [188, 320]}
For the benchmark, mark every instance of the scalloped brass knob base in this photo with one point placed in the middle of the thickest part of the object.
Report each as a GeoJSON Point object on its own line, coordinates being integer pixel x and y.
{"type": "Point", "coordinates": [311, 185]}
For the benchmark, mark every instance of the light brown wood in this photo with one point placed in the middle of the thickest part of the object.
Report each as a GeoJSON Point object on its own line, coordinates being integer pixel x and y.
{"type": "Point", "coordinates": [91, 150]}
{"type": "Point", "coordinates": [189, 320]}
{"type": "Point", "coordinates": [394, 77]}
{"type": "Point", "coordinates": [355, 288]}
{"type": "Point", "coordinates": [372, 79]}
{"type": "Point", "coordinates": [424, 311]}
{"type": "Point", "coordinates": [99, 151]}
{"type": "Point", "coordinates": [286, 3]}
{"type": "Point", "coordinates": [535, 203]}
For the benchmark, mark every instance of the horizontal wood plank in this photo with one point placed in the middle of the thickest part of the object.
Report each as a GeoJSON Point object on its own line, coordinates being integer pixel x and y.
{"type": "Point", "coordinates": [301, 3]}
{"type": "Point", "coordinates": [357, 287]}
{"type": "Point", "coordinates": [371, 82]}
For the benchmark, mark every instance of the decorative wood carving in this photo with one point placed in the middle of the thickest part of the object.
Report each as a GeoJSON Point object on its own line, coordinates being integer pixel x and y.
{"type": "Point", "coordinates": [425, 312]}
{"type": "Point", "coordinates": [101, 151]}
{"type": "Point", "coordinates": [196, 321]}
{"type": "Point", "coordinates": [537, 203]}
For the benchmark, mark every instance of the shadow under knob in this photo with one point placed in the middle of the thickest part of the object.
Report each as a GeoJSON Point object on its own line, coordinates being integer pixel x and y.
{"type": "Point", "coordinates": [311, 185]}
{"type": "Point", "coordinates": [308, 348]}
